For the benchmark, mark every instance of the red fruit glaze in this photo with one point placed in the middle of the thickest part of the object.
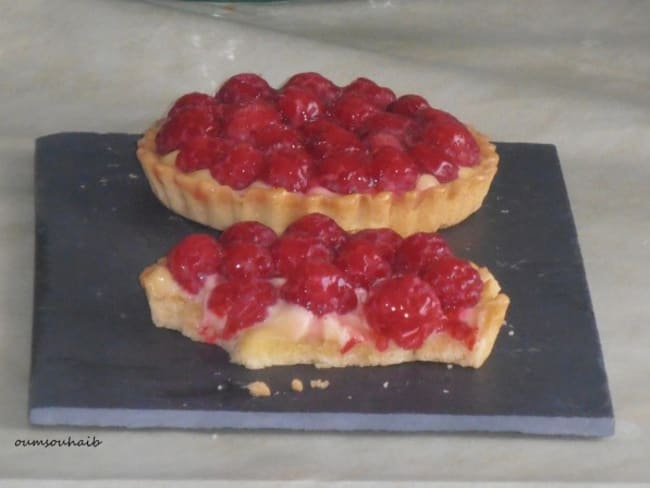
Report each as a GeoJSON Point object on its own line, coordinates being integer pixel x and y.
{"type": "Point", "coordinates": [184, 125]}
{"type": "Point", "coordinates": [393, 170]}
{"type": "Point", "coordinates": [362, 262]}
{"type": "Point", "coordinates": [434, 161]}
{"type": "Point", "coordinates": [244, 122]}
{"type": "Point", "coordinates": [404, 309]}
{"type": "Point", "coordinates": [276, 137]}
{"type": "Point", "coordinates": [394, 124]}
{"type": "Point", "coordinates": [200, 153]}
{"type": "Point", "coordinates": [320, 287]}
{"type": "Point", "coordinates": [460, 330]}
{"type": "Point", "coordinates": [324, 89]}
{"type": "Point", "coordinates": [353, 110]}
{"type": "Point", "coordinates": [193, 99]}
{"type": "Point", "coordinates": [243, 88]}
{"type": "Point", "coordinates": [291, 251]}
{"type": "Point", "coordinates": [455, 281]}
{"type": "Point", "coordinates": [298, 105]}
{"type": "Point", "coordinates": [455, 140]}
{"type": "Point", "coordinates": [320, 226]}
{"type": "Point", "coordinates": [385, 241]}
{"type": "Point", "coordinates": [241, 166]}
{"type": "Point", "coordinates": [245, 260]}
{"type": "Point", "coordinates": [379, 96]}
{"type": "Point", "coordinates": [193, 259]}
{"type": "Point", "coordinates": [408, 105]}
{"type": "Point", "coordinates": [325, 138]}
{"type": "Point", "coordinates": [346, 173]}
{"type": "Point", "coordinates": [248, 231]}
{"type": "Point", "coordinates": [289, 169]}
{"type": "Point", "coordinates": [419, 250]}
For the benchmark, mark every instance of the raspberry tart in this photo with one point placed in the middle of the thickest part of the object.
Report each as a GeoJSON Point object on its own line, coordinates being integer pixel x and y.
{"type": "Point", "coordinates": [319, 295]}
{"type": "Point", "coordinates": [356, 153]}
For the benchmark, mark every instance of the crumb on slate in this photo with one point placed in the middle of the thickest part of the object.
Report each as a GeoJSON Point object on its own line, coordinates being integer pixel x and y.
{"type": "Point", "coordinates": [320, 384]}
{"type": "Point", "coordinates": [259, 389]}
{"type": "Point", "coordinates": [296, 385]}
{"type": "Point", "coordinates": [385, 385]}
{"type": "Point", "coordinates": [450, 366]}
{"type": "Point", "coordinates": [511, 332]}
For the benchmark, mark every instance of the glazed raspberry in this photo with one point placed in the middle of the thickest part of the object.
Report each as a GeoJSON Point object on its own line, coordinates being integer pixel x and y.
{"type": "Point", "coordinates": [320, 287]}
{"type": "Point", "coordinates": [244, 303]}
{"type": "Point", "coordinates": [244, 88]}
{"type": "Point", "coordinates": [289, 169]}
{"type": "Point", "coordinates": [455, 141]}
{"type": "Point", "coordinates": [395, 124]}
{"type": "Point", "coordinates": [432, 160]}
{"type": "Point", "coordinates": [291, 251]}
{"type": "Point", "coordinates": [375, 142]}
{"type": "Point", "coordinates": [353, 110]}
{"type": "Point", "coordinates": [408, 105]}
{"type": "Point", "coordinates": [362, 262]}
{"type": "Point", "coordinates": [298, 105]}
{"type": "Point", "coordinates": [346, 173]}
{"type": "Point", "coordinates": [248, 231]}
{"type": "Point", "coordinates": [241, 166]}
{"type": "Point", "coordinates": [325, 138]}
{"type": "Point", "coordinates": [193, 259]}
{"type": "Point", "coordinates": [186, 124]}
{"type": "Point", "coordinates": [404, 309]}
{"type": "Point", "coordinates": [436, 116]}
{"type": "Point", "coordinates": [247, 120]}
{"type": "Point", "coordinates": [386, 241]}
{"type": "Point", "coordinates": [455, 281]}
{"type": "Point", "coordinates": [316, 83]}
{"type": "Point", "coordinates": [379, 96]}
{"type": "Point", "coordinates": [324, 228]}
{"type": "Point", "coordinates": [418, 250]}
{"type": "Point", "coordinates": [460, 330]}
{"type": "Point", "coordinates": [200, 153]}
{"type": "Point", "coordinates": [193, 99]}
{"type": "Point", "coordinates": [276, 136]}
{"type": "Point", "coordinates": [393, 170]}
{"type": "Point", "coordinates": [245, 260]}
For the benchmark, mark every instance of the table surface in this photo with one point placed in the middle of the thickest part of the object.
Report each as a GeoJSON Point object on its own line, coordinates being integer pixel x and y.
{"type": "Point", "coordinates": [573, 75]}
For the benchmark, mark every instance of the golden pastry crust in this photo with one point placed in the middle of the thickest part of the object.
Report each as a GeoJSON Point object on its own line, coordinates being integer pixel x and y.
{"type": "Point", "coordinates": [274, 342]}
{"type": "Point", "coordinates": [199, 197]}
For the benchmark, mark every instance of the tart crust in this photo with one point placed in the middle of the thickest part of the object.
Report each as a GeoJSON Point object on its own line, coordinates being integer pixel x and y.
{"type": "Point", "coordinates": [275, 342]}
{"type": "Point", "coordinates": [197, 196]}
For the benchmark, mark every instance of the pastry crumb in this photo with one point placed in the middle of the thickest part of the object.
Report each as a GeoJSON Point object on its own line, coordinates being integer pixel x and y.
{"type": "Point", "coordinates": [385, 385]}
{"type": "Point", "coordinates": [259, 389]}
{"type": "Point", "coordinates": [511, 332]}
{"type": "Point", "coordinates": [320, 384]}
{"type": "Point", "coordinates": [296, 385]}
{"type": "Point", "coordinates": [445, 391]}
{"type": "Point", "coordinates": [450, 366]}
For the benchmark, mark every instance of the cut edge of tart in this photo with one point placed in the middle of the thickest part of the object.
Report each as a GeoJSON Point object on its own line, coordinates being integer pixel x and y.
{"type": "Point", "coordinates": [428, 207]}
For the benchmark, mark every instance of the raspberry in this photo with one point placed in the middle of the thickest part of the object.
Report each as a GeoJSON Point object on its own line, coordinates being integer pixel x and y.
{"type": "Point", "coordinates": [298, 105]}
{"type": "Point", "coordinates": [460, 330]}
{"type": "Point", "coordinates": [246, 121]}
{"type": "Point", "coordinates": [436, 116]}
{"type": "Point", "coordinates": [418, 250]}
{"type": "Point", "coordinates": [456, 142]}
{"type": "Point", "coordinates": [404, 309]}
{"type": "Point", "coordinates": [291, 251]}
{"type": "Point", "coordinates": [200, 153]}
{"type": "Point", "coordinates": [408, 105]}
{"type": "Point", "coordinates": [243, 88]}
{"type": "Point", "coordinates": [325, 138]}
{"type": "Point", "coordinates": [184, 125]}
{"type": "Point", "coordinates": [194, 99]}
{"type": "Point", "coordinates": [379, 96]}
{"type": "Point", "coordinates": [315, 83]}
{"type": "Point", "coordinates": [363, 262]}
{"type": "Point", "coordinates": [289, 169]}
{"type": "Point", "coordinates": [320, 287]}
{"type": "Point", "coordinates": [324, 228]}
{"type": "Point", "coordinates": [248, 231]}
{"type": "Point", "coordinates": [393, 170]}
{"type": "Point", "coordinates": [455, 281]}
{"type": "Point", "coordinates": [345, 173]}
{"type": "Point", "coordinates": [386, 241]}
{"type": "Point", "coordinates": [276, 136]}
{"type": "Point", "coordinates": [244, 303]}
{"type": "Point", "coordinates": [353, 110]}
{"type": "Point", "coordinates": [376, 141]}
{"type": "Point", "coordinates": [239, 168]}
{"type": "Point", "coordinates": [433, 160]}
{"type": "Point", "coordinates": [245, 260]}
{"type": "Point", "coordinates": [385, 122]}
{"type": "Point", "coordinates": [193, 259]}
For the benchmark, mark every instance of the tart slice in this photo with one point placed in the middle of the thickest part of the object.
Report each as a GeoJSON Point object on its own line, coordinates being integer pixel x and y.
{"type": "Point", "coordinates": [318, 295]}
{"type": "Point", "coordinates": [355, 153]}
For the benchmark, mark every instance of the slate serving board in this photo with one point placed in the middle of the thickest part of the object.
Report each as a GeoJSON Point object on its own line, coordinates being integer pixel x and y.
{"type": "Point", "coordinates": [97, 360]}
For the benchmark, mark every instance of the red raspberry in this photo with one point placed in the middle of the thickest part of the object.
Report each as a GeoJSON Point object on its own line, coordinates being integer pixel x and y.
{"type": "Point", "coordinates": [432, 160]}
{"type": "Point", "coordinates": [193, 259]}
{"type": "Point", "coordinates": [454, 140]}
{"type": "Point", "coordinates": [393, 170]}
{"type": "Point", "coordinates": [201, 153]}
{"type": "Point", "coordinates": [244, 303]}
{"type": "Point", "coordinates": [289, 169]}
{"type": "Point", "coordinates": [455, 281]}
{"type": "Point", "coordinates": [419, 250]}
{"type": "Point", "coordinates": [320, 287]}
{"type": "Point", "coordinates": [184, 125]}
{"type": "Point", "coordinates": [292, 250]}
{"type": "Point", "coordinates": [362, 262]}
{"type": "Point", "coordinates": [345, 173]}
{"type": "Point", "coordinates": [241, 166]}
{"type": "Point", "coordinates": [395, 124]}
{"type": "Point", "coordinates": [353, 110]}
{"type": "Point", "coordinates": [386, 241]}
{"type": "Point", "coordinates": [408, 105]}
{"type": "Point", "coordinates": [460, 330]}
{"type": "Point", "coordinates": [248, 231]}
{"type": "Point", "coordinates": [193, 99]}
{"type": "Point", "coordinates": [404, 309]}
{"type": "Point", "coordinates": [324, 89]}
{"type": "Point", "coordinates": [436, 116]}
{"type": "Point", "coordinates": [243, 88]}
{"type": "Point", "coordinates": [298, 105]}
{"type": "Point", "coordinates": [320, 226]}
{"type": "Point", "coordinates": [245, 260]}
{"type": "Point", "coordinates": [379, 96]}
{"type": "Point", "coordinates": [247, 120]}
{"type": "Point", "coordinates": [325, 138]}
{"type": "Point", "coordinates": [382, 139]}
{"type": "Point", "coordinates": [276, 136]}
